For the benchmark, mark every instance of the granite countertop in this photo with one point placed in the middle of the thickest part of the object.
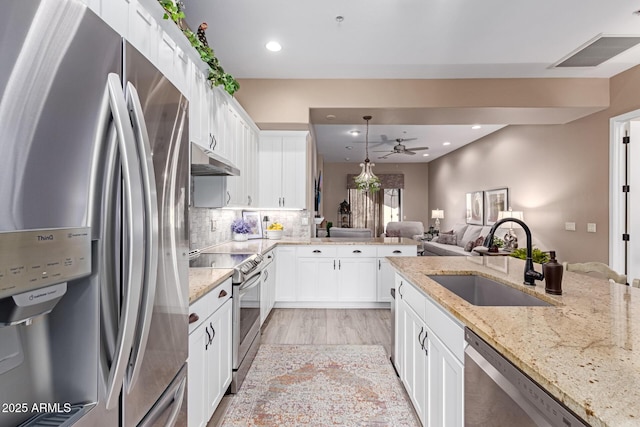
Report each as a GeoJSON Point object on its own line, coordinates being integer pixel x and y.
{"type": "Point", "coordinates": [204, 280]}
{"type": "Point", "coordinates": [585, 350]}
{"type": "Point", "coordinates": [261, 246]}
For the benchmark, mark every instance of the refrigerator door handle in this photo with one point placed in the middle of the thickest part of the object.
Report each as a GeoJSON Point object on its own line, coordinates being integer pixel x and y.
{"type": "Point", "coordinates": [134, 239]}
{"type": "Point", "coordinates": [151, 234]}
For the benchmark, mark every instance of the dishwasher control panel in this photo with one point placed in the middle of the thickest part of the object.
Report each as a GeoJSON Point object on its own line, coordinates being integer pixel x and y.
{"type": "Point", "coordinates": [33, 259]}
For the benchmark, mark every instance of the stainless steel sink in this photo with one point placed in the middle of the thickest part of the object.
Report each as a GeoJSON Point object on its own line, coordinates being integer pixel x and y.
{"type": "Point", "coordinates": [478, 290]}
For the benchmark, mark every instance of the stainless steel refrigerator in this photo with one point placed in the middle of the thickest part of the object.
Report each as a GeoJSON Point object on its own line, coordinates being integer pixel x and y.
{"type": "Point", "coordinates": [94, 137]}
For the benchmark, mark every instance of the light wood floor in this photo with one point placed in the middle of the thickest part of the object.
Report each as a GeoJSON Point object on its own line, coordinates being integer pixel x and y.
{"type": "Point", "coordinates": [320, 326]}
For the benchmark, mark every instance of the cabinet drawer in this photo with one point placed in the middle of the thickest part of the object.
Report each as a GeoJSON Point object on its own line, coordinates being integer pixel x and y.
{"type": "Point", "coordinates": [209, 303]}
{"type": "Point", "coordinates": [412, 297]}
{"type": "Point", "coordinates": [322, 251]}
{"type": "Point", "coordinates": [404, 250]}
{"type": "Point", "coordinates": [448, 330]}
{"type": "Point", "coordinates": [364, 251]}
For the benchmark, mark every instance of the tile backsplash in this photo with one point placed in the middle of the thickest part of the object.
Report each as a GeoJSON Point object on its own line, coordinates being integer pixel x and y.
{"type": "Point", "coordinates": [203, 220]}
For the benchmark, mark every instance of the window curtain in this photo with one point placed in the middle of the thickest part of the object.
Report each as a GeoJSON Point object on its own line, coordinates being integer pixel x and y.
{"type": "Point", "coordinates": [367, 208]}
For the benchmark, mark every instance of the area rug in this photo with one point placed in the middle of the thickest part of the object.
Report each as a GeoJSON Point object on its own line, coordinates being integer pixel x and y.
{"type": "Point", "coordinates": [328, 385]}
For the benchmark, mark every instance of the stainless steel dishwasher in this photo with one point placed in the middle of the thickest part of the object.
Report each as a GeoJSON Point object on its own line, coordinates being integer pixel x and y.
{"type": "Point", "coordinates": [496, 393]}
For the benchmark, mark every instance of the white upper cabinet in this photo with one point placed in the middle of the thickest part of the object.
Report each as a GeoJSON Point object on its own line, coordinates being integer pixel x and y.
{"type": "Point", "coordinates": [113, 12]}
{"type": "Point", "coordinates": [282, 171]}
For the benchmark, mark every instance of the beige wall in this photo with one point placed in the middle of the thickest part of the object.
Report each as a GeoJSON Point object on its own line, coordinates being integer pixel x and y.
{"type": "Point", "coordinates": [555, 174]}
{"type": "Point", "coordinates": [416, 192]}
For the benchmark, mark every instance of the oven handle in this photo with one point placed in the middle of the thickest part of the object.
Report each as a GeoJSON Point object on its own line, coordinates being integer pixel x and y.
{"type": "Point", "coordinates": [252, 282]}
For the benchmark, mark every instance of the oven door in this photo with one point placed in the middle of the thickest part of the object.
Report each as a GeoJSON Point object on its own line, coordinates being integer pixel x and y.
{"type": "Point", "coordinates": [246, 316]}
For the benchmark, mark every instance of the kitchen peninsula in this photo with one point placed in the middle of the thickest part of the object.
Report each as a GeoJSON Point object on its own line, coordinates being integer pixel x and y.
{"type": "Point", "coordinates": [583, 349]}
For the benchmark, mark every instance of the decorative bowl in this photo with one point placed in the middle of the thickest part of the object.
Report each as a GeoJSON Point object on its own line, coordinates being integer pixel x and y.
{"type": "Point", "coordinates": [274, 234]}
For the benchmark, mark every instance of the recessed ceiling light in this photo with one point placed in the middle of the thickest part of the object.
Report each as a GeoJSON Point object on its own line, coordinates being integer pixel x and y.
{"type": "Point", "coordinates": [348, 147]}
{"type": "Point", "coordinates": [339, 18]}
{"type": "Point", "coordinates": [330, 117]}
{"type": "Point", "coordinates": [474, 127]}
{"type": "Point", "coordinates": [347, 159]}
{"type": "Point", "coordinates": [425, 155]}
{"type": "Point", "coordinates": [446, 143]}
{"type": "Point", "coordinates": [273, 46]}
{"type": "Point", "coordinates": [354, 132]}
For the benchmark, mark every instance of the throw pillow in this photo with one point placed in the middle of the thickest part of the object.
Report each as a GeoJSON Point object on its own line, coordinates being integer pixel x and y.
{"type": "Point", "coordinates": [469, 246]}
{"type": "Point", "coordinates": [393, 233]}
{"type": "Point", "coordinates": [447, 239]}
{"type": "Point", "coordinates": [479, 241]}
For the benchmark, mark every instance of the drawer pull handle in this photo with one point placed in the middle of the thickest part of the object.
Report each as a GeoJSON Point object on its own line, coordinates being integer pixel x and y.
{"type": "Point", "coordinates": [397, 252]}
{"type": "Point", "coordinates": [317, 251]}
{"type": "Point", "coordinates": [357, 251]}
{"type": "Point", "coordinates": [193, 318]}
{"type": "Point", "coordinates": [222, 294]}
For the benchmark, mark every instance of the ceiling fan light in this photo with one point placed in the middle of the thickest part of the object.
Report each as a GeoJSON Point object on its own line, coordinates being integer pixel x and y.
{"type": "Point", "coordinates": [354, 132]}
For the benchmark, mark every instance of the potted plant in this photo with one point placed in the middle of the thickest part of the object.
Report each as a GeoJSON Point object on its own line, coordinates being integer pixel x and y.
{"type": "Point", "coordinates": [240, 229]}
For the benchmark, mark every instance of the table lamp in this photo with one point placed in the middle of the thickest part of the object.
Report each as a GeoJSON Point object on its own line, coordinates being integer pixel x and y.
{"type": "Point", "coordinates": [437, 214]}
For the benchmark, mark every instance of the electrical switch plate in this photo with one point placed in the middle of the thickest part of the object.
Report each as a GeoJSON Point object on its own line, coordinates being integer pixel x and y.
{"type": "Point", "coordinates": [570, 226]}
{"type": "Point", "coordinates": [591, 227]}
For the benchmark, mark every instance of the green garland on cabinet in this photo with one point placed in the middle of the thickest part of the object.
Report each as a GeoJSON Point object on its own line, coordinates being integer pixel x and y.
{"type": "Point", "coordinates": [217, 75]}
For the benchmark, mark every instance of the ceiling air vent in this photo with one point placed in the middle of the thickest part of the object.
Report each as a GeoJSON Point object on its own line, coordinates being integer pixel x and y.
{"type": "Point", "coordinates": [599, 50]}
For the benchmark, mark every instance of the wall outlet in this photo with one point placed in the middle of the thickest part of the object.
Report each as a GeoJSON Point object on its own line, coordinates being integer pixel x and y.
{"type": "Point", "coordinates": [570, 226]}
{"type": "Point", "coordinates": [214, 225]}
{"type": "Point", "coordinates": [591, 227]}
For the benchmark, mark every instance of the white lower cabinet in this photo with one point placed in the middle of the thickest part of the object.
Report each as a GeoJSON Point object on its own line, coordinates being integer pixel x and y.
{"type": "Point", "coordinates": [357, 279]}
{"type": "Point", "coordinates": [209, 363]}
{"type": "Point", "coordinates": [432, 372]}
{"type": "Point", "coordinates": [317, 279]}
{"type": "Point", "coordinates": [268, 287]}
{"type": "Point", "coordinates": [286, 273]}
{"type": "Point", "coordinates": [386, 273]}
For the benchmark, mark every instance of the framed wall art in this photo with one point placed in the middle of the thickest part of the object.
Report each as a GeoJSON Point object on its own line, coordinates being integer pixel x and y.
{"type": "Point", "coordinates": [253, 218]}
{"type": "Point", "coordinates": [475, 207]}
{"type": "Point", "coordinates": [494, 202]}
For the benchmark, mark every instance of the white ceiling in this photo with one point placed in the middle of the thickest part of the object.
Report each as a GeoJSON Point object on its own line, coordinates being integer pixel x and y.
{"type": "Point", "coordinates": [422, 39]}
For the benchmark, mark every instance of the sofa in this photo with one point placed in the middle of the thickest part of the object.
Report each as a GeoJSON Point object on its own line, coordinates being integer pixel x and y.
{"type": "Point", "coordinates": [353, 233]}
{"type": "Point", "coordinates": [410, 229]}
{"type": "Point", "coordinates": [457, 241]}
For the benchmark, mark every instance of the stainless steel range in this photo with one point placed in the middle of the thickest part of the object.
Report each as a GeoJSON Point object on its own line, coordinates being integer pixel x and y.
{"type": "Point", "coordinates": [246, 280]}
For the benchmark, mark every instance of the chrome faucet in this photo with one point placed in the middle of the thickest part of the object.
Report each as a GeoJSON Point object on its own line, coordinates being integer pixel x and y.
{"type": "Point", "coordinates": [530, 275]}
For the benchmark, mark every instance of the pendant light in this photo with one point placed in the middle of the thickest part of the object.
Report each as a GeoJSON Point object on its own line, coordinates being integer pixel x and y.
{"type": "Point", "coordinates": [367, 181]}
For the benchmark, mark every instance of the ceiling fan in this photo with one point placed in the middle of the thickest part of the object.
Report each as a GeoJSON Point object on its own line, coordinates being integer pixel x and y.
{"type": "Point", "coordinates": [400, 148]}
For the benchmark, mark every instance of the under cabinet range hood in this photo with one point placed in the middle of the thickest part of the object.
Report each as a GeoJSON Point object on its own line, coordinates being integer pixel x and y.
{"type": "Point", "coordinates": [205, 162]}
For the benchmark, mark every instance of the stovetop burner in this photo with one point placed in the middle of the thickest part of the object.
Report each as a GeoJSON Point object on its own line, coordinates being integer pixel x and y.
{"type": "Point", "coordinates": [242, 264]}
{"type": "Point", "coordinates": [219, 260]}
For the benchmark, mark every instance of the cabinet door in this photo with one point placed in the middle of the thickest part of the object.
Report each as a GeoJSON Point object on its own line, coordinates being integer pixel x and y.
{"type": "Point", "coordinates": [415, 360]}
{"type": "Point", "coordinates": [270, 171]}
{"type": "Point", "coordinates": [385, 278]}
{"type": "Point", "coordinates": [446, 385]}
{"type": "Point", "coordinates": [316, 279]}
{"type": "Point", "coordinates": [285, 274]}
{"type": "Point", "coordinates": [267, 291]}
{"type": "Point", "coordinates": [113, 12]}
{"type": "Point", "coordinates": [357, 279]}
{"type": "Point", "coordinates": [294, 172]}
{"type": "Point", "coordinates": [197, 372]}
{"type": "Point", "coordinates": [251, 167]}
{"type": "Point", "coordinates": [218, 356]}
{"type": "Point", "coordinates": [143, 33]}
{"type": "Point", "coordinates": [217, 116]}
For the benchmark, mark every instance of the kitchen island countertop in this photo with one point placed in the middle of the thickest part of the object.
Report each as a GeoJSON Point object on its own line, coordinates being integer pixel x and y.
{"type": "Point", "coordinates": [585, 350]}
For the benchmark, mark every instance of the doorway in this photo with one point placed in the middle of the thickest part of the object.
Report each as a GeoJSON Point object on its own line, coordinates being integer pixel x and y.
{"type": "Point", "coordinates": [624, 195]}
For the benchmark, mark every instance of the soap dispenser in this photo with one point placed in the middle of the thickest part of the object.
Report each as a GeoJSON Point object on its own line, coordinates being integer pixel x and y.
{"type": "Point", "coordinates": [552, 271]}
